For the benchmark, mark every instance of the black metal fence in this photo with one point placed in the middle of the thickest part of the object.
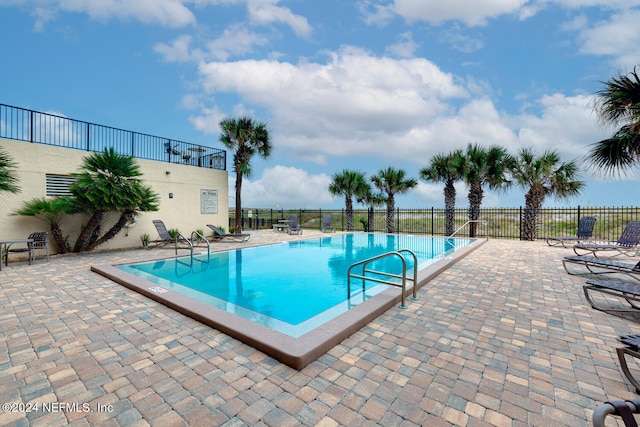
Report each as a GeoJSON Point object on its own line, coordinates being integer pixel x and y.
{"type": "Point", "coordinates": [44, 128]}
{"type": "Point", "coordinates": [502, 223]}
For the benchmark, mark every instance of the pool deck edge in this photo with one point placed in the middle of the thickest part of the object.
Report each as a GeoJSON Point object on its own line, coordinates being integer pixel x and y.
{"type": "Point", "coordinates": [294, 352]}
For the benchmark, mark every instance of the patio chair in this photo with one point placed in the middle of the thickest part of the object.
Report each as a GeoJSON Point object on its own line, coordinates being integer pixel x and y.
{"type": "Point", "coordinates": [219, 235]}
{"type": "Point", "coordinates": [294, 227]}
{"type": "Point", "coordinates": [630, 292]}
{"type": "Point", "coordinates": [627, 244]}
{"type": "Point", "coordinates": [621, 408]}
{"type": "Point", "coordinates": [585, 231]}
{"type": "Point", "coordinates": [326, 223]}
{"type": "Point", "coordinates": [164, 238]}
{"type": "Point", "coordinates": [598, 266]}
{"type": "Point", "coordinates": [39, 242]}
{"type": "Point", "coordinates": [631, 342]}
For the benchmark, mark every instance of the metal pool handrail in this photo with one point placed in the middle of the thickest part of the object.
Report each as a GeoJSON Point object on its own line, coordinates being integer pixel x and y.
{"type": "Point", "coordinates": [403, 276]}
{"type": "Point", "coordinates": [479, 221]}
{"type": "Point", "coordinates": [181, 237]}
{"type": "Point", "coordinates": [200, 237]}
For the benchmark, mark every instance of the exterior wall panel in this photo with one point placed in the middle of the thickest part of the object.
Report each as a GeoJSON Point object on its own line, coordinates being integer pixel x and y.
{"type": "Point", "coordinates": [182, 211]}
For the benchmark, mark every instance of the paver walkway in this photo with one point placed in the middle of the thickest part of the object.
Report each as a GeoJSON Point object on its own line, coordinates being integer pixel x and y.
{"type": "Point", "coordinates": [503, 338]}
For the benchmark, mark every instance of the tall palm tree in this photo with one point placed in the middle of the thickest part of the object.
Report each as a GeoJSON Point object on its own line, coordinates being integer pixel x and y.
{"type": "Point", "coordinates": [543, 175]}
{"type": "Point", "coordinates": [371, 200]}
{"type": "Point", "coordinates": [484, 167]}
{"type": "Point", "coordinates": [350, 184]}
{"type": "Point", "coordinates": [618, 104]}
{"type": "Point", "coordinates": [448, 169]}
{"type": "Point", "coordinates": [108, 182]}
{"type": "Point", "coordinates": [245, 137]}
{"type": "Point", "coordinates": [390, 182]}
{"type": "Point", "coordinates": [8, 182]}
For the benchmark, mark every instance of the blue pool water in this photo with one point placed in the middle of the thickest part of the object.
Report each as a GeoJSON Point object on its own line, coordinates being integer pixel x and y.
{"type": "Point", "coordinates": [291, 287]}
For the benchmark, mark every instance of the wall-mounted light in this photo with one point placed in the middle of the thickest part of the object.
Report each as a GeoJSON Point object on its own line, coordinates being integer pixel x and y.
{"type": "Point", "coordinates": [171, 195]}
{"type": "Point", "coordinates": [168, 172]}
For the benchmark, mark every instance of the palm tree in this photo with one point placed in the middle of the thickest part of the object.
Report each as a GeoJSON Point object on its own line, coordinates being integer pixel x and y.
{"type": "Point", "coordinates": [245, 137]}
{"type": "Point", "coordinates": [52, 211]}
{"type": "Point", "coordinates": [542, 176]}
{"type": "Point", "coordinates": [8, 182]}
{"type": "Point", "coordinates": [371, 200]}
{"type": "Point", "coordinates": [350, 184]}
{"type": "Point", "coordinates": [109, 182]}
{"type": "Point", "coordinates": [618, 104]}
{"type": "Point", "coordinates": [390, 182]}
{"type": "Point", "coordinates": [143, 199]}
{"type": "Point", "coordinates": [447, 169]}
{"type": "Point", "coordinates": [484, 167]}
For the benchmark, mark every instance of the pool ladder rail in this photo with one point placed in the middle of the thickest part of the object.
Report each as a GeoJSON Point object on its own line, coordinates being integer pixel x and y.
{"type": "Point", "coordinates": [198, 237]}
{"type": "Point", "coordinates": [403, 276]}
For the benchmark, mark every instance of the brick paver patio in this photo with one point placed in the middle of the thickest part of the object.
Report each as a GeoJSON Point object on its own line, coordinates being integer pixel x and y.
{"type": "Point", "coordinates": [503, 338]}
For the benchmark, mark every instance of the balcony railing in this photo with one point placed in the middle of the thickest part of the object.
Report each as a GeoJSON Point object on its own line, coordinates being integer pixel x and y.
{"type": "Point", "coordinates": [44, 128]}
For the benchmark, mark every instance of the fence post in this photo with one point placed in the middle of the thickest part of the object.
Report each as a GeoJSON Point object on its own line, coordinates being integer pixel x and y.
{"type": "Point", "coordinates": [31, 126]}
{"type": "Point", "coordinates": [520, 223]}
{"type": "Point", "coordinates": [432, 218]}
{"type": "Point", "coordinates": [88, 137]}
{"type": "Point", "coordinates": [578, 214]}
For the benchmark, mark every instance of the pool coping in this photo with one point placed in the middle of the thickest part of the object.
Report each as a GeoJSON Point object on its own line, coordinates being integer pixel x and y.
{"type": "Point", "coordinates": [294, 352]}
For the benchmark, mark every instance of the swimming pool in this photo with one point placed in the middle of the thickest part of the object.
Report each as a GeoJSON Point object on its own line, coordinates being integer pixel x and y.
{"type": "Point", "coordinates": [290, 291]}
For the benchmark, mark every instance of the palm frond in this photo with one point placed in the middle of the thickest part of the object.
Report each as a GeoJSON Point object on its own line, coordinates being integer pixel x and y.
{"type": "Point", "coordinates": [618, 154]}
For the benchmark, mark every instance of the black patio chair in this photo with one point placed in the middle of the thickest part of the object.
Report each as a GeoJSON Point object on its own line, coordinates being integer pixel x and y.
{"type": "Point", "coordinates": [584, 234]}
{"type": "Point", "coordinates": [627, 244]}
{"type": "Point", "coordinates": [39, 242]}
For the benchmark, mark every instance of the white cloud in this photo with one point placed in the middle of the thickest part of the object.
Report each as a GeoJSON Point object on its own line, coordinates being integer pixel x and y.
{"type": "Point", "coordinates": [566, 124]}
{"type": "Point", "coordinates": [358, 105]}
{"type": "Point", "coordinates": [286, 187]}
{"type": "Point", "coordinates": [208, 120]}
{"type": "Point", "coordinates": [353, 104]}
{"type": "Point", "coordinates": [42, 16]}
{"type": "Point", "coordinates": [235, 40]}
{"type": "Point", "coordinates": [265, 12]}
{"type": "Point", "coordinates": [472, 13]}
{"type": "Point", "coordinates": [405, 47]}
{"type": "Point", "coordinates": [460, 41]}
{"type": "Point", "coordinates": [579, 4]}
{"type": "Point", "coordinates": [170, 13]}
{"type": "Point", "coordinates": [432, 194]}
{"type": "Point", "coordinates": [178, 51]}
{"type": "Point", "coordinates": [617, 37]}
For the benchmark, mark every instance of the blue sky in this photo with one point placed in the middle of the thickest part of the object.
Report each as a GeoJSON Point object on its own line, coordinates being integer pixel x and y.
{"type": "Point", "coordinates": [361, 84]}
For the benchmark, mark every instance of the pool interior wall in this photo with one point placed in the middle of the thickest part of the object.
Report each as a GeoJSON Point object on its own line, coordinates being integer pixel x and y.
{"type": "Point", "coordinates": [294, 352]}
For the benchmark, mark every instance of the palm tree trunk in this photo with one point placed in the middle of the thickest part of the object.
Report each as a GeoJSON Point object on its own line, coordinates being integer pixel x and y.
{"type": "Point", "coordinates": [58, 238]}
{"type": "Point", "coordinates": [370, 219]}
{"type": "Point", "coordinates": [449, 207]}
{"type": "Point", "coordinates": [238, 202]}
{"type": "Point", "coordinates": [125, 217]}
{"type": "Point", "coordinates": [475, 201]}
{"type": "Point", "coordinates": [391, 217]}
{"type": "Point", "coordinates": [533, 203]}
{"type": "Point", "coordinates": [349, 212]}
{"type": "Point", "coordinates": [88, 232]}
